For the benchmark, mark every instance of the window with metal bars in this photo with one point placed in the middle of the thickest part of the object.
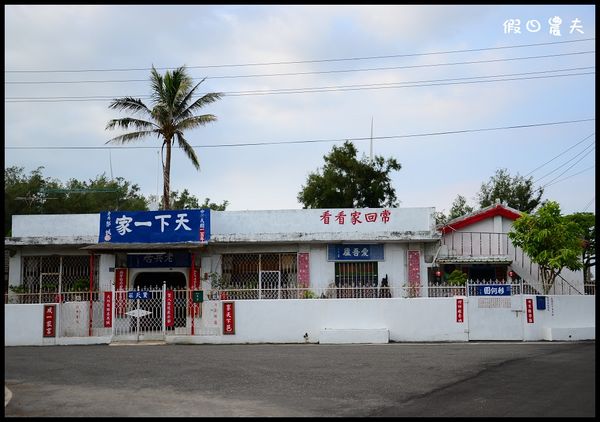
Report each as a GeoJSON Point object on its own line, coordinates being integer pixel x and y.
{"type": "Point", "coordinates": [52, 273]}
{"type": "Point", "coordinates": [254, 276]}
{"type": "Point", "coordinates": [356, 279]}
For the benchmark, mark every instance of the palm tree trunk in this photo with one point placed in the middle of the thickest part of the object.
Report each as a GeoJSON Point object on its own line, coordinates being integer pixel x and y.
{"type": "Point", "coordinates": [167, 177]}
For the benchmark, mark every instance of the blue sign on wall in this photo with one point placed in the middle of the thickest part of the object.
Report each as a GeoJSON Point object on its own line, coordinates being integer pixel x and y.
{"type": "Point", "coordinates": [155, 226]}
{"type": "Point", "coordinates": [159, 260]}
{"type": "Point", "coordinates": [355, 252]}
{"type": "Point", "coordinates": [141, 294]}
{"type": "Point", "coordinates": [493, 290]}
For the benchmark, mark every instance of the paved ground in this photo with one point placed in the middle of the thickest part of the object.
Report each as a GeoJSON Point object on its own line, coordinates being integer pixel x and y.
{"type": "Point", "coordinates": [398, 379]}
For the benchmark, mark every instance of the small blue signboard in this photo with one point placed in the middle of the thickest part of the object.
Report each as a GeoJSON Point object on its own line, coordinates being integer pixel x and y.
{"type": "Point", "coordinates": [154, 226]}
{"type": "Point", "coordinates": [493, 290]}
{"type": "Point", "coordinates": [159, 260]}
{"type": "Point", "coordinates": [355, 252]}
{"type": "Point", "coordinates": [141, 294]}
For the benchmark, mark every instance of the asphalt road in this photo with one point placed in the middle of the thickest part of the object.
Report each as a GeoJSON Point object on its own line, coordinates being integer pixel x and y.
{"type": "Point", "coordinates": [397, 379]}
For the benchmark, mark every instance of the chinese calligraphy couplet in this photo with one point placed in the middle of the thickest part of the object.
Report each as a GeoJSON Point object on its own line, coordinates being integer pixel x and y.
{"type": "Point", "coordinates": [49, 321]}
{"type": "Point", "coordinates": [120, 288]}
{"type": "Point", "coordinates": [529, 306]}
{"type": "Point", "coordinates": [107, 309]}
{"type": "Point", "coordinates": [228, 318]}
{"type": "Point", "coordinates": [460, 310]}
{"type": "Point", "coordinates": [169, 308]}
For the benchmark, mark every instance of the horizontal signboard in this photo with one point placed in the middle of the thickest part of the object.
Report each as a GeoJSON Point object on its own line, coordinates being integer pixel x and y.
{"type": "Point", "coordinates": [354, 252]}
{"type": "Point", "coordinates": [154, 226]}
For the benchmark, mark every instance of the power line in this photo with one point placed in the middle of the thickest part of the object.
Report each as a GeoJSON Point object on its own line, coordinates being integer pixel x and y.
{"type": "Point", "coordinates": [569, 168]}
{"type": "Point", "coordinates": [568, 161]}
{"type": "Point", "coordinates": [588, 204]}
{"type": "Point", "coordinates": [260, 143]}
{"type": "Point", "coordinates": [97, 97]}
{"type": "Point", "coordinates": [573, 146]}
{"type": "Point", "coordinates": [312, 72]}
{"type": "Point", "coordinates": [568, 177]}
{"type": "Point", "coordinates": [306, 90]}
{"type": "Point", "coordinates": [303, 61]}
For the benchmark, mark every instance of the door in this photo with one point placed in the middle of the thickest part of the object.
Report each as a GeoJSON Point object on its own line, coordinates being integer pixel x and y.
{"type": "Point", "coordinates": [495, 318]}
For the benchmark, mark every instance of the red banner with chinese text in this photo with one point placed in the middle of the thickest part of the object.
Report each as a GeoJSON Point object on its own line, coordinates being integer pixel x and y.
{"type": "Point", "coordinates": [303, 270]}
{"type": "Point", "coordinates": [169, 308]}
{"type": "Point", "coordinates": [414, 268]}
{"type": "Point", "coordinates": [228, 317]}
{"type": "Point", "coordinates": [49, 320]}
{"type": "Point", "coordinates": [107, 309]}
{"type": "Point", "coordinates": [460, 310]}
{"type": "Point", "coordinates": [121, 289]}
{"type": "Point", "coordinates": [529, 307]}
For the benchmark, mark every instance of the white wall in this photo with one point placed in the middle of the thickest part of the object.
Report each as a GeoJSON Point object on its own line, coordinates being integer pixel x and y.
{"type": "Point", "coordinates": [23, 325]}
{"type": "Point", "coordinates": [56, 225]}
{"type": "Point", "coordinates": [286, 321]}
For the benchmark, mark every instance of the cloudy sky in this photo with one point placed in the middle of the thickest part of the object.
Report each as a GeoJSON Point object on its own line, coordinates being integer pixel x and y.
{"type": "Point", "coordinates": [454, 93]}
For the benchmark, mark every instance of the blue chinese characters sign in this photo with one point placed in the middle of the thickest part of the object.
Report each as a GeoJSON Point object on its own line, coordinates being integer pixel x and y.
{"type": "Point", "coordinates": [354, 252]}
{"type": "Point", "coordinates": [155, 226]}
{"type": "Point", "coordinates": [493, 290]}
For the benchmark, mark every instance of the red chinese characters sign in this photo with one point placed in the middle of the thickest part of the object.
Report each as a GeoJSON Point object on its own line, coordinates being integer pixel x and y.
{"type": "Point", "coordinates": [169, 308]}
{"type": "Point", "coordinates": [121, 289]}
{"type": "Point", "coordinates": [460, 310]}
{"type": "Point", "coordinates": [107, 309]}
{"type": "Point", "coordinates": [414, 268]}
{"type": "Point", "coordinates": [355, 217]}
{"type": "Point", "coordinates": [529, 307]}
{"type": "Point", "coordinates": [303, 271]}
{"type": "Point", "coordinates": [228, 318]}
{"type": "Point", "coordinates": [195, 308]}
{"type": "Point", "coordinates": [49, 320]}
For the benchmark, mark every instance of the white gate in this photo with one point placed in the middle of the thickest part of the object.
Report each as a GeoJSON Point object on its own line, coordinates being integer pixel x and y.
{"type": "Point", "coordinates": [139, 315]}
{"type": "Point", "coordinates": [495, 317]}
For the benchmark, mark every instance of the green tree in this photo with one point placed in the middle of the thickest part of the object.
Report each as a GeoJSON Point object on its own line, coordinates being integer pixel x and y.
{"type": "Point", "coordinates": [25, 194]}
{"type": "Point", "coordinates": [458, 209]}
{"type": "Point", "coordinates": [185, 200]}
{"type": "Point", "coordinates": [36, 194]}
{"type": "Point", "coordinates": [550, 240]}
{"type": "Point", "coordinates": [172, 113]}
{"type": "Point", "coordinates": [586, 221]}
{"type": "Point", "coordinates": [347, 182]}
{"type": "Point", "coordinates": [517, 192]}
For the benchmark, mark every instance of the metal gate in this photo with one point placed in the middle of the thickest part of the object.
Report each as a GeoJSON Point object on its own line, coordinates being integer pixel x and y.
{"type": "Point", "coordinates": [495, 318]}
{"type": "Point", "coordinates": [269, 285]}
{"type": "Point", "coordinates": [139, 314]}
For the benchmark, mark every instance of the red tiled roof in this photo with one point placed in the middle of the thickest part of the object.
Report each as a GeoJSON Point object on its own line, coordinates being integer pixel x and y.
{"type": "Point", "coordinates": [491, 211]}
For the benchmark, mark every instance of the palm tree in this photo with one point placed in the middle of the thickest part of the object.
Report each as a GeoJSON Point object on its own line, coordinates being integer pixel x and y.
{"type": "Point", "coordinates": [170, 116]}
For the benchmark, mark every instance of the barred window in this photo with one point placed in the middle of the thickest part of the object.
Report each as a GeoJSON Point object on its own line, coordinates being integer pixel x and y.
{"type": "Point", "coordinates": [356, 279]}
{"type": "Point", "coordinates": [259, 276]}
{"type": "Point", "coordinates": [69, 272]}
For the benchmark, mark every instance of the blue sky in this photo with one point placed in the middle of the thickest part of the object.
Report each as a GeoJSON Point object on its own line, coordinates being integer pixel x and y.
{"type": "Point", "coordinates": [389, 45]}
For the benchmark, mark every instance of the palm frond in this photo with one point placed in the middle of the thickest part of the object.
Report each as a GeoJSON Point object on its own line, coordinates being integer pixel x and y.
{"type": "Point", "coordinates": [125, 122]}
{"type": "Point", "coordinates": [157, 83]}
{"type": "Point", "coordinates": [188, 150]}
{"type": "Point", "coordinates": [130, 137]}
{"type": "Point", "coordinates": [211, 97]}
{"type": "Point", "coordinates": [129, 103]}
{"type": "Point", "coordinates": [195, 121]}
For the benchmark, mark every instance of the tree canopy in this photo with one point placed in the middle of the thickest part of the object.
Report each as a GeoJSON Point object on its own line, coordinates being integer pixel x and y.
{"type": "Point", "coordinates": [34, 193]}
{"type": "Point", "coordinates": [347, 182]}
{"type": "Point", "coordinates": [171, 114]}
{"type": "Point", "coordinates": [586, 222]}
{"type": "Point", "coordinates": [458, 209]}
{"type": "Point", "coordinates": [516, 191]}
{"type": "Point", "coordinates": [550, 240]}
